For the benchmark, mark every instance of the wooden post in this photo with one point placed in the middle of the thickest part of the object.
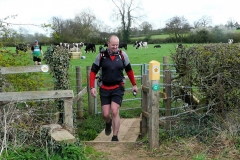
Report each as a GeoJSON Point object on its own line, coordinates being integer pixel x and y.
{"type": "Point", "coordinates": [165, 67]}
{"type": "Point", "coordinates": [79, 88]}
{"type": "Point", "coordinates": [90, 98]}
{"type": "Point", "coordinates": [168, 100]}
{"type": "Point", "coordinates": [1, 78]}
{"type": "Point", "coordinates": [154, 78]}
{"type": "Point", "coordinates": [143, 123]}
{"type": "Point", "coordinates": [68, 113]}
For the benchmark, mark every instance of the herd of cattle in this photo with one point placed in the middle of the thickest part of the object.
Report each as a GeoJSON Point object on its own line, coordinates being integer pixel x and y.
{"type": "Point", "coordinates": [91, 47]}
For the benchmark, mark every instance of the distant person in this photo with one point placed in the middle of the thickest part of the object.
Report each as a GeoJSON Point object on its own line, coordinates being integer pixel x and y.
{"type": "Point", "coordinates": [112, 62]}
{"type": "Point", "coordinates": [36, 54]}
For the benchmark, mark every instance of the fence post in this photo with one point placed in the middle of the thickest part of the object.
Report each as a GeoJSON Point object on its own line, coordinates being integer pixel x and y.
{"type": "Point", "coordinates": [1, 78]}
{"type": "Point", "coordinates": [169, 95]}
{"type": "Point", "coordinates": [68, 113]}
{"type": "Point", "coordinates": [143, 123]}
{"type": "Point", "coordinates": [79, 88]}
{"type": "Point", "coordinates": [154, 77]}
{"type": "Point", "coordinates": [165, 67]}
{"type": "Point", "coordinates": [90, 98]}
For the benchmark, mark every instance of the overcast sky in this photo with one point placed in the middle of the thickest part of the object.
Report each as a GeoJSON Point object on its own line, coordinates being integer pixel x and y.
{"type": "Point", "coordinates": [157, 12]}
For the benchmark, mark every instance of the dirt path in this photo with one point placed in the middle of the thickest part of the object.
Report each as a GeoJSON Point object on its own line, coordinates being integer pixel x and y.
{"type": "Point", "coordinates": [123, 151]}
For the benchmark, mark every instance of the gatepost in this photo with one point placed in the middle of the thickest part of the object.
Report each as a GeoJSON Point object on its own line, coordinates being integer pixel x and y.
{"type": "Point", "coordinates": [154, 78]}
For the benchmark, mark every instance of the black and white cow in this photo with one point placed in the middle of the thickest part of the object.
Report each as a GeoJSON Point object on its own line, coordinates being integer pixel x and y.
{"type": "Point", "coordinates": [90, 47]}
{"type": "Point", "coordinates": [78, 46]}
{"type": "Point", "coordinates": [140, 45]}
{"type": "Point", "coordinates": [135, 43]}
{"type": "Point", "coordinates": [230, 41]}
{"type": "Point", "coordinates": [157, 46]}
{"type": "Point", "coordinates": [179, 45]}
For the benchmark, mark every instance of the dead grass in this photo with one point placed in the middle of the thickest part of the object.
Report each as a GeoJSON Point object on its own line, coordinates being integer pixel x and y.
{"type": "Point", "coordinates": [182, 149]}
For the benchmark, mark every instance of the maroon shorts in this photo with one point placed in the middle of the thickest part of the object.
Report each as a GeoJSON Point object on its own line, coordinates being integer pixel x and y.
{"type": "Point", "coordinates": [115, 95]}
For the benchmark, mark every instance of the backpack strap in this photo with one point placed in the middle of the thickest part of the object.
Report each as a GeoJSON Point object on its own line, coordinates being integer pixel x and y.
{"type": "Point", "coordinates": [121, 55]}
{"type": "Point", "coordinates": [104, 54]}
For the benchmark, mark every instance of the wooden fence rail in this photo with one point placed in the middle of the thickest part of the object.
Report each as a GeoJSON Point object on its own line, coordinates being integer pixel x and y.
{"type": "Point", "coordinates": [67, 95]}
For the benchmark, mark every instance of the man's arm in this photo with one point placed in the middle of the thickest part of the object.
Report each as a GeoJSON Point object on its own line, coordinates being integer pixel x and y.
{"type": "Point", "coordinates": [130, 74]}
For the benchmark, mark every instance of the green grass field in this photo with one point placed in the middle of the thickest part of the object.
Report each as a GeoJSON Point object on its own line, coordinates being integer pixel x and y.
{"type": "Point", "coordinates": [143, 56]}
{"type": "Point", "coordinates": [137, 58]}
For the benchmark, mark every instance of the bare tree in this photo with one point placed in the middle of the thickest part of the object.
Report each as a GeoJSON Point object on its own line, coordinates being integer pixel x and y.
{"type": "Point", "coordinates": [204, 21]}
{"type": "Point", "coordinates": [86, 25]}
{"type": "Point", "coordinates": [196, 24]}
{"type": "Point", "coordinates": [6, 33]}
{"type": "Point", "coordinates": [127, 12]}
{"type": "Point", "coordinates": [146, 27]}
{"type": "Point", "coordinates": [230, 23]}
{"type": "Point", "coordinates": [178, 27]}
{"type": "Point", "coordinates": [236, 25]}
{"type": "Point", "coordinates": [57, 27]}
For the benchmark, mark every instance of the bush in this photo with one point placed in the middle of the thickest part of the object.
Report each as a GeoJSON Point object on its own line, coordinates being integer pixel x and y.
{"type": "Point", "coordinates": [91, 126]}
{"type": "Point", "coordinates": [61, 151]}
{"type": "Point", "coordinates": [213, 70]}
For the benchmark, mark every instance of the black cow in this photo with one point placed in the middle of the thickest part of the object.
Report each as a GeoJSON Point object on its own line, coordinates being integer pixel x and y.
{"type": "Point", "coordinates": [90, 47]}
{"type": "Point", "coordinates": [101, 49]}
{"type": "Point", "coordinates": [123, 45]}
{"type": "Point", "coordinates": [21, 47]}
{"type": "Point", "coordinates": [105, 45]}
{"type": "Point", "coordinates": [157, 46]}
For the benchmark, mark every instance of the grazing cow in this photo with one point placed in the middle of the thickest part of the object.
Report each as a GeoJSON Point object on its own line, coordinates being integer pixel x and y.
{"type": "Point", "coordinates": [85, 44]}
{"type": "Point", "coordinates": [70, 46]}
{"type": "Point", "coordinates": [21, 47]}
{"type": "Point", "coordinates": [136, 43]}
{"type": "Point", "coordinates": [90, 47]}
{"type": "Point", "coordinates": [145, 44]}
{"type": "Point", "coordinates": [123, 45]}
{"type": "Point", "coordinates": [78, 46]}
{"type": "Point", "coordinates": [141, 44]}
{"type": "Point", "coordinates": [105, 45]}
{"type": "Point", "coordinates": [73, 49]}
{"type": "Point", "coordinates": [179, 45]}
{"type": "Point", "coordinates": [101, 49]}
{"type": "Point", "coordinates": [157, 46]}
{"type": "Point", "coordinates": [230, 41]}
{"type": "Point", "coordinates": [65, 45]}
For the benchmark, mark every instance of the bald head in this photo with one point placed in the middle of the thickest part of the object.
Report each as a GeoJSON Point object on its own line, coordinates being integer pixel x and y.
{"type": "Point", "coordinates": [113, 43]}
{"type": "Point", "coordinates": [113, 38]}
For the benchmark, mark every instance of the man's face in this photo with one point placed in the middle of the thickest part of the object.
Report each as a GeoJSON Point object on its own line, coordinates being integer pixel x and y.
{"type": "Point", "coordinates": [113, 44]}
